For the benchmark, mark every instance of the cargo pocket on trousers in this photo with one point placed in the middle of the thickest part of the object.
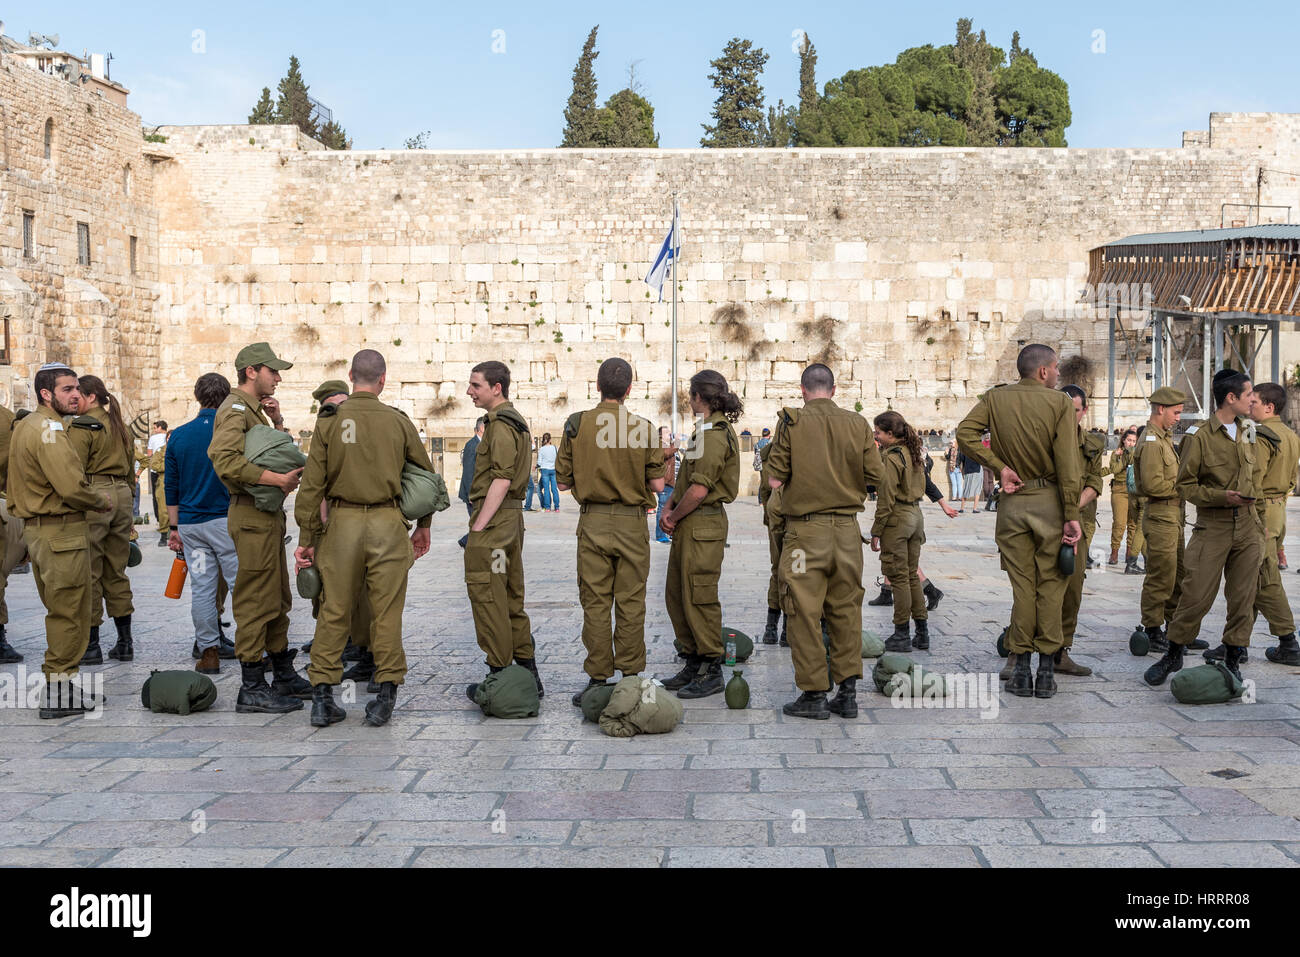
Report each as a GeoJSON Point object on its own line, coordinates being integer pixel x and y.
{"type": "Point", "coordinates": [704, 589]}
{"type": "Point", "coordinates": [67, 543]}
{"type": "Point", "coordinates": [707, 533]}
{"type": "Point", "coordinates": [479, 586]}
{"type": "Point", "coordinates": [255, 547]}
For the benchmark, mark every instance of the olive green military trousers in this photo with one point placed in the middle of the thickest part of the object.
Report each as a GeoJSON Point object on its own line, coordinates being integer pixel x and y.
{"type": "Point", "coordinates": [1119, 519]}
{"type": "Point", "coordinates": [900, 562]}
{"type": "Point", "coordinates": [261, 599]}
{"type": "Point", "coordinates": [1029, 527]}
{"type": "Point", "coordinates": [359, 628]}
{"type": "Point", "coordinates": [1163, 585]}
{"type": "Point", "coordinates": [1074, 586]}
{"type": "Point", "coordinates": [613, 565]}
{"type": "Point", "coordinates": [60, 551]}
{"type": "Point", "coordinates": [774, 539]}
{"type": "Point", "coordinates": [110, 547]}
{"type": "Point", "coordinates": [1225, 546]}
{"type": "Point", "coordinates": [691, 588]}
{"type": "Point", "coordinates": [13, 551]}
{"type": "Point", "coordinates": [1270, 599]}
{"type": "Point", "coordinates": [821, 576]}
{"type": "Point", "coordinates": [364, 552]}
{"type": "Point", "coordinates": [494, 578]}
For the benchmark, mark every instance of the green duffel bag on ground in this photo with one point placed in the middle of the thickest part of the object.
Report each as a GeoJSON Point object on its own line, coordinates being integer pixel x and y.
{"type": "Point", "coordinates": [640, 706]}
{"type": "Point", "coordinates": [594, 700]}
{"type": "Point", "coordinates": [274, 451]}
{"type": "Point", "coordinates": [1206, 684]}
{"type": "Point", "coordinates": [889, 665]}
{"type": "Point", "coordinates": [178, 692]}
{"type": "Point", "coordinates": [918, 683]}
{"type": "Point", "coordinates": [508, 693]}
{"type": "Point", "coordinates": [873, 646]}
{"type": "Point", "coordinates": [423, 493]}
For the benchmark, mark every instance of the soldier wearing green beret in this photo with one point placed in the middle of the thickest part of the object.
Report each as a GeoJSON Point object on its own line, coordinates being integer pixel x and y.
{"type": "Point", "coordinates": [261, 599]}
{"type": "Point", "coordinates": [1216, 473]}
{"type": "Point", "coordinates": [612, 461]}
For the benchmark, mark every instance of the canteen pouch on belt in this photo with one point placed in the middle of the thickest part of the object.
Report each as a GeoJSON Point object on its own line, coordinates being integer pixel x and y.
{"type": "Point", "coordinates": [1206, 684]}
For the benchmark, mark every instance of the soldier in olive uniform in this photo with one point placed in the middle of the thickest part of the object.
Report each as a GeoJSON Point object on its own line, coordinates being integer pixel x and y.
{"type": "Point", "coordinates": [1123, 507]}
{"type": "Point", "coordinates": [769, 500]}
{"type": "Point", "coordinates": [47, 488]}
{"type": "Point", "coordinates": [356, 466]}
{"type": "Point", "coordinates": [261, 599]}
{"type": "Point", "coordinates": [1034, 449]}
{"type": "Point", "coordinates": [104, 447]}
{"type": "Point", "coordinates": [709, 479]}
{"type": "Point", "coordinates": [822, 460]}
{"type": "Point", "coordinates": [898, 530]}
{"type": "Point", "coordinates": [11, 547]}
{"type": "Point", "coordinates": [613, 463]}
{"type": "Point", "coordinates": [1091, 448]}
{"type": "Point", "coordinates": [1216, 473]}
{"type": "Point", "coordinates": [494, 550]}
{"type": "Point", "coordinates": [1155, 464]}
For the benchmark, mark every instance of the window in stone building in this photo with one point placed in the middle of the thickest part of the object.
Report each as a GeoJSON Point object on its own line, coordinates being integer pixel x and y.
{"type": "Point", "coordinates": [134, 241]}
{"type": "Point", "coordinates": [126, 180]}
{"type": "Point", "coordinates": [4, 345]}
{"type": "Point", "coordinates": [83, 244]}
{"type": "Point", "coordinates": [29, 234]}
{"type": "Point", "coordinates": [49, 139]}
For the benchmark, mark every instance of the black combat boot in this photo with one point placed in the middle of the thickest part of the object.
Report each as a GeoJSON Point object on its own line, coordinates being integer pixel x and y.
{"type": "Point", "coordinates": [686, 675]}
{"type": "Point", "coordinates": [1162, 669]}
{"type": "Point", "coordinates": [1021, 682]}
{"type": "Point", "coordinates": [286, 681]}
{"type": "Point", "coordinates": [94, 654]}
{"type": "Point", "coordinates": [922, 640]}
{"type": "Point", "coordinates": [124, 650]}
{"type": "Point", "coordinates": [845, 702]}
{"type": "Point", "coordinates": [7, 654]}
{"type": "Point", "coordinates": [1197, 644]}
{"type": "Point", "coordinates": [1159, 640]}
{"type": "Point", "coordinates": [932, 595]}
{"type": "Point", "coordinates": [1234, 658]}
{"type": "Point", "coordinates": [591, 683]}
{"type": "Point", "coordinates": [1044, 682]}
{"type": "Point", "coordinates": [381, 709]}
{"type": "Point", "coordinates": [257, 697]}
{"type": "Point", "coordinates": [363, 670]}
{"type": "Point", "coordinates": [373, 688]}
{"type": "Point", "coordinates": [810, 704]}
{"type": "Point", "coordinates": [68, 697]}
{"type": "Point", "coordinates": [324, 712]}
{"type": "Point", "coordinates": [351, 652]}
{"type": "Point", "coordinates": [900, 640]}
{"type": "Point", "coordinates": [769, 633]}
{"type": "Point", "coordinates": [1217, 653]}
{"type": "Point", "coordinates": [886, 596]}
{"type": "Point", "coordinates": [708, 681]}
{"type": "Point", "coordinates": [1287, 651]}
{"type": "Point", "coordinates": [531, 665]}
{"type": "Point", "coordinates": [785, 640]}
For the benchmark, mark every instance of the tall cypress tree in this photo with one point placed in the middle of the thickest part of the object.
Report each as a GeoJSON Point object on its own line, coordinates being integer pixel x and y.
{"type": "Point", "coordinates": [581, 117]}
{"type": "Point", "coordinates": [810, 127]}
{"type": "Point", "coordinates": [293, 106]}
{"type": "Point", "coordinates": [264, 111]}
{"type": "Point", "coordinates": [974, 55]}
{"type": "Point", "coordinates": [738, 111]}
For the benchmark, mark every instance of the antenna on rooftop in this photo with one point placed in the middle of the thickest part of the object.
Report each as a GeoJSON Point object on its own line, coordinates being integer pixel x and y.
{"type": "Point", "coordinates": [40, 39]}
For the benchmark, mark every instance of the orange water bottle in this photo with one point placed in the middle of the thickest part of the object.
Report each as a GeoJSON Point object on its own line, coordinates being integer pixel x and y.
{"type": "Point", "coordinates": [176, 580]}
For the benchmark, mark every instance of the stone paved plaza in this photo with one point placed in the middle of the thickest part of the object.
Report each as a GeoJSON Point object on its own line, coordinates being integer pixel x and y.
{"type": "Point", "coordinates": [1109, 772]}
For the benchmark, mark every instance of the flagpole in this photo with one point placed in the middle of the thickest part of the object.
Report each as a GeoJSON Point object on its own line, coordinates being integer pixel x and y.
{"type": "Point", "coordinates": [675, 245]}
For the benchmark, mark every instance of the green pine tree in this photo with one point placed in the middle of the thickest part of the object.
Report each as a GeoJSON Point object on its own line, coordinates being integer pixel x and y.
{"type": "Point", "coordinates": [810, 127]}
{"type": "Point", "coordinates": [334, 137]}
{"type": "Point", "coordinates": [581, 116]}
{"type": "Point", "coordinates": [293, 106]}
{"type": "Point", "coordinates": [779, 126]}
{"type": "Point", "coordinates": [264, 111]}
{"type": "Point", "coordinates": [974, 55]}
{"type": "Point", "coordinates": [627, 120]}
{"type": "Point", "coordinates": [738, 111]}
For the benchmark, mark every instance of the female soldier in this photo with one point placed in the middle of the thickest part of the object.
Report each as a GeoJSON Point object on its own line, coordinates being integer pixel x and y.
{"type": "Point", "coordinates": [105, 448]}
{"type": "Point", "coordinates": [898, 530]}
{"type": "Point", "coordinates": [1123, 508]}
{"type": "Point", "coordinates": [709, 478]}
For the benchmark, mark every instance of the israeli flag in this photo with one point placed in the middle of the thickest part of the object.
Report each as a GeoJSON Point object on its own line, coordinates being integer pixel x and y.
{"type": "Point", "coordinates": [662, 267]}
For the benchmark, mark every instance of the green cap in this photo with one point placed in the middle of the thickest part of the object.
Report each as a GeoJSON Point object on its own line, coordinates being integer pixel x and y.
{"type": "Point", "coordinates": [329, 388]}
{"type": "Point", "coordinates": [260, 354]}
{"type": "Point", "coordinates": [1167, 395]}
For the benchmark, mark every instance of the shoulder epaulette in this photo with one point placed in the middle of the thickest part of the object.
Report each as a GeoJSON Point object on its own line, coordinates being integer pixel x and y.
{"type": "Point", "coordinates": [789, 415]}
{"type": "Point", "coordinates": [1273, 439]}
{"type": "Point", "coordinates": [571, 425]}
{"type": "Point", "coordinates": [1094, 444]}
{"type": "Point", "coordinates": [88, 422]}
{"type": "Point", "coordinates": [514, 418]}
{"type": "Point", "coordinates": [400, 412]}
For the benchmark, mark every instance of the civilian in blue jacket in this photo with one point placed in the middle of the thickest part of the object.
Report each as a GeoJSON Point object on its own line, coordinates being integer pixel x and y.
{"type": "Point", "coordinates": [468, 455]}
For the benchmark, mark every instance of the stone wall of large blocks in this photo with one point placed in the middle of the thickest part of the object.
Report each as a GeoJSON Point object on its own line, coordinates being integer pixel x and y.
{"type": "Point", "coordinates": [97, 317]}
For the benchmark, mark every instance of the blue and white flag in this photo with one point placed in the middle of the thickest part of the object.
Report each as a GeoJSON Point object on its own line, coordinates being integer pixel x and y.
{"type": "Point", "coordinates": [662, 267]}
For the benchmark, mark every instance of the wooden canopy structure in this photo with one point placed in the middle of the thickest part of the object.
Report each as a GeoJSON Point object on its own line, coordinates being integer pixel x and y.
{"type": "Point", "coordinates": [1199, 299]}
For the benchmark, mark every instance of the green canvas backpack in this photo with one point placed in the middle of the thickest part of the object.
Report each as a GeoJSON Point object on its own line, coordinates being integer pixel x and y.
{"type": "Point", "coordinates": [508, 693]}
{"type": "Point", "coordinates": [640, 706]}
{"type": "Point", "coordinates": [594, 700]}
{"type": "Point", "coordinates": [888, 666]}
{"type": "Point", "coordinates": [873, 646]}
{"type": "Point", "coordinates": [274, 451]}
{"type": "Point", "coordinates": [177, 692]}
{"type": "Point", "coordinates": [423, 493]}
{"type": "Point", "coordinates": [1206, 684]}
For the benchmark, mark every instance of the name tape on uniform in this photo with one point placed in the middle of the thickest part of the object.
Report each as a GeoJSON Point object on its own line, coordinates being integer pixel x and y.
{"type": "Point", "coordinates": [236, 405]}
{"type": "Point", "coordinates": [1151, 438]}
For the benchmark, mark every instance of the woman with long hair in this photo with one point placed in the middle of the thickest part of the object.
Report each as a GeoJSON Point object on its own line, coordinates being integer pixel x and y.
{"type": "Point", "coordinates": [546, 454]}
{"type": "Point", "coordinates": [100, 437]}
{"type": "Point", "coordinates": [898, 530]}
{"type": "Point", "coordinates": [709, 478]}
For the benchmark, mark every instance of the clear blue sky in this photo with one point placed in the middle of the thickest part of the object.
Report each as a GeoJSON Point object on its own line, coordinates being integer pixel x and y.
{"type": "Point", "coordinates": [389, 70]}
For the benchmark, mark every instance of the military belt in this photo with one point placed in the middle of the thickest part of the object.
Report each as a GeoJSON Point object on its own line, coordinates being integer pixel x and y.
{"type": "Point", "coordinates": [707, 510]}
{"type": "Point", "coordinates": [1162, 500]}
{"type": "Point", "coordinates": [59, 519]}
{"type": "Point", "coordinates": [106, 478]}
{"type": "Point", "coordinates": [515, 503]}
{"type": "Point", "coordinates": [1278, 500]}
{"type": "Point", "coordinates": [613, 509]}
{"type": "Point", "coordinates": [823, 516]}
{"type": "Point", "coordinates": [344, 503]}
{"type": "Point", "coordinates": [1039, 483]}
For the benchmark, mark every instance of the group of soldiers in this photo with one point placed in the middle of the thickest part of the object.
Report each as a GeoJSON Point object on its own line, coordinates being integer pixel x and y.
{"type": "Point", "coordinates": [70, 460]}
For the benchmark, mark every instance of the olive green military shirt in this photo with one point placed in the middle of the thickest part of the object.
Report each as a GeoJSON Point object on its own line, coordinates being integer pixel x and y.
{"type": "Point", "coordinates": [903, 483]}
{"type": "Point", "coordinates": [1213, 462]}
{"type": "Point", "coordinates": [239, 413]}
{"type": "Point", "coordinates": [825, 457]}
{"type": "Point", "coordinates": [357, 457]}
{"type": "Point", "coordinates": [505, 451]}
{"type": "Point", "coordinates": [1155, 463]}
{"type": "Point", "coordinates": [1032, 430]}
{"type": "Point", "coordinates": [1275, 461]}
{"type": "Point", "coordinates": [711, 459]}
{"type": "Point", "coordinates": [45, 475]}
{"type": "Point", "coordinates": [6, 432]}
{"type": "Point", "coordinates": [97, 447]}
{"type": "Point", "coordinates": [1091, 447]}
{"type": "Point", "coordinates": [1119, 463]}
{"type": "Point", "coordinates": [608, 456]}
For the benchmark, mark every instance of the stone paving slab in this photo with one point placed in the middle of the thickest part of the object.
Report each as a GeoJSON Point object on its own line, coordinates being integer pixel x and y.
{"type": "Point", "coordinates": [1107, 773]}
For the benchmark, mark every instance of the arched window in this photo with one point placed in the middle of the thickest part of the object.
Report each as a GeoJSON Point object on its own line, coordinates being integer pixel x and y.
{"type": "Point", "coordinates": [49, 139]}
{"type": "Point", "coordinates": [126, 180]}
